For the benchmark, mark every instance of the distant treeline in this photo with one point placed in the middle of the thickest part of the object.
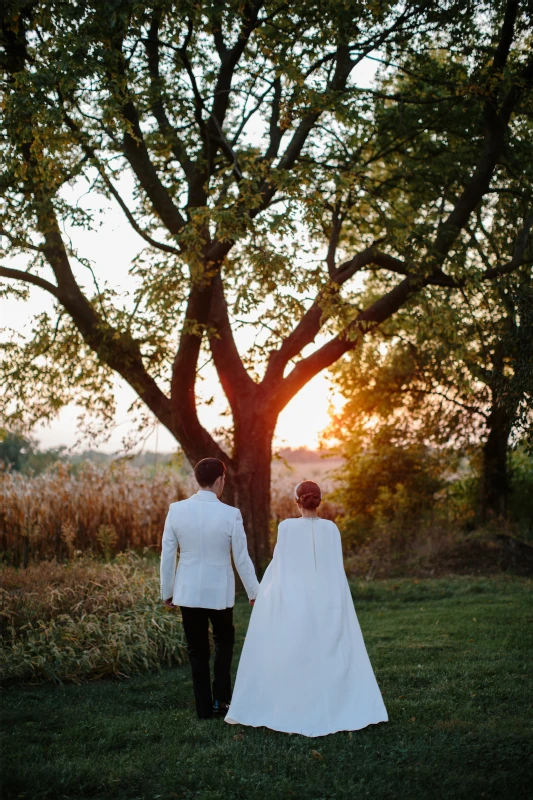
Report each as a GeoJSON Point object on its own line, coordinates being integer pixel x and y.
{"type": "Point", "coordinates": [23, 454]}
{"type": "Point", "coordinates": [299, 455]}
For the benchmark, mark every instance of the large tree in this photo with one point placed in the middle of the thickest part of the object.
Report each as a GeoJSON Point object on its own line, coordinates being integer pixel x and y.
{"type": "Point", "coordinates": [255, 155]}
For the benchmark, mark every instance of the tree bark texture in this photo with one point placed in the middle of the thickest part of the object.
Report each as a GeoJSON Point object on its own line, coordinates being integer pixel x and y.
{"type": "Point", "coordinates": [494, 486]}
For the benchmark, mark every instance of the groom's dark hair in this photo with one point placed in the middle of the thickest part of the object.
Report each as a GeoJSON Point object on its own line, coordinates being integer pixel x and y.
{"type": "Point", "coordinates": [208, 470]}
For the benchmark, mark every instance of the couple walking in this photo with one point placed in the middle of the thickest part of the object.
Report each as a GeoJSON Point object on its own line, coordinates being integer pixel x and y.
{"type": "Point", "coordinates": [304, 666]}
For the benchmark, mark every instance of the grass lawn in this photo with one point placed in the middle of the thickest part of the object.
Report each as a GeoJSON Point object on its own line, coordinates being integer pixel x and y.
{"type": "Point", "coordinates": [452, 657]}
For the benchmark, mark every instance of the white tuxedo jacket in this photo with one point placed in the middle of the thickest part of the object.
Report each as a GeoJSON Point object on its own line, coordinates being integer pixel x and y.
{"type": "Point", "coordinates": [206, 532]}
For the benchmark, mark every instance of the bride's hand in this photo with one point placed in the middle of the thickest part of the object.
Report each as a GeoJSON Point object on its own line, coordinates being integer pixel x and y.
{"type": "Point", "coordinates": [251, 602]}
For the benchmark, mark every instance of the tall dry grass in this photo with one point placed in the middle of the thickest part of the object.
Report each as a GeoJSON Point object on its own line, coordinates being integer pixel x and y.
{"type": "Point", "coordinates": [85, 620]}
{"type": "Point", "coordinates": [100, 510]}
{"type": "Point", "coordinates": [109, 510]}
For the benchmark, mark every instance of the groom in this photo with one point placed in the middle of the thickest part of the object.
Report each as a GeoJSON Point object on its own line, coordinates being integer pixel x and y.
{"type": "Point", "coordinates": [206, 531]}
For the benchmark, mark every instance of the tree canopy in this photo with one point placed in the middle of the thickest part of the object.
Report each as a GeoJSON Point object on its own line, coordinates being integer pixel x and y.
{"type": "Point", "coordinates": [268, 183]}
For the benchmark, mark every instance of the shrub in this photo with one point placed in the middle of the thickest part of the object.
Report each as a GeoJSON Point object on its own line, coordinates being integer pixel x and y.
{"type": "Point", "coordinates": [85, 620]}
{"type": "Point", "coordinates": [389, 489]}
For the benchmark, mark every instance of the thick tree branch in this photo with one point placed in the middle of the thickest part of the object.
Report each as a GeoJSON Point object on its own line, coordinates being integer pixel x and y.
{"type": "Point", "coordinates": [229, 61]}
{"type": "Point", "coordinates": [136, 152]}
{"type": "Point", "coordinates": [373, 316]}
{"type": "Point", "coordinates": [195, 440]}
{"type": "Point", "coordinates": [151, 44]}
{"type": "Point", "coordinates": [330, 352]}
{"type": "Point", "coordinates": [275, 132]}
{"type": "Point", "coordinates": [440, 278]}
{"type": "Point", "coordinates": [336, 226]}
{"type": "Point", "coordinates": [28, 277]}
{"type": "Point", "coordinates": [234, 378]}
{"type": "Point", "coordinates": [496, 124]}
{"type": "Point", "coordinates": [114, 347]}
{"type": "Point", "coordinates": [310, 324]}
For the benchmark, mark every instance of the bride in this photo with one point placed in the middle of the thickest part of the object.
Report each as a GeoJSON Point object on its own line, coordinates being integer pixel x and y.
{"type": "Point", "coordinates": [304, 666]}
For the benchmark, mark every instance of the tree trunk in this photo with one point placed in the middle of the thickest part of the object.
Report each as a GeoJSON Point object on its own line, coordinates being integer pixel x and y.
{"type": "Point", "coordinates": [249, 475]}
{"type": "Point", "coordinates": [494, 489]}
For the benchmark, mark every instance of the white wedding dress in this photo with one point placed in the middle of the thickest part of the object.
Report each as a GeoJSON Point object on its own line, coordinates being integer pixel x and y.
{"type": "Point", "coordinates": [304, 666]}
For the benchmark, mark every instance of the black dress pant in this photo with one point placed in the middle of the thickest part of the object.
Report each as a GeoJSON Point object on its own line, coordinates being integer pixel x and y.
{"type": "Point", "coordinates": [196, 627]}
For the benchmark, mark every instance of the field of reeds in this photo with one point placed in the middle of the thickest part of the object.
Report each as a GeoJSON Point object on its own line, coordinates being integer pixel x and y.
{"type": "Point", "coordinates": [90, 509]}
{"type": "Point", "coordinates": [87, 509]}
{"type": "Point", "coordinates": [108, 510]}
{"type": "Point", "coordinates": [84, 620]}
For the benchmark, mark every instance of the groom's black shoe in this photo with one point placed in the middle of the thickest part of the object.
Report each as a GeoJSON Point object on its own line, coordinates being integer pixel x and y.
{"type": "Point", "coordinates": [220, 709]}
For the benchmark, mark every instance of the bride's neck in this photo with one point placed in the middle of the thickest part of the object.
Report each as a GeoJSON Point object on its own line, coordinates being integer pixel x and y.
{"type": "Point", "coordinates": [309, 513]}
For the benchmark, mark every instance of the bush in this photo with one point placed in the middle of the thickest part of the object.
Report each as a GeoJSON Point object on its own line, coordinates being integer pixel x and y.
{"type": "Point", "coordinates": [85, 620]}
{"type": "Point", "coordinates": [389, 489]}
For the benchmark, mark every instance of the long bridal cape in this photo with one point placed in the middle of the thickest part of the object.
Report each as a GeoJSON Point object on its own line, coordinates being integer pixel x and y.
{"type": "Point", "coordinates": [304, 666]}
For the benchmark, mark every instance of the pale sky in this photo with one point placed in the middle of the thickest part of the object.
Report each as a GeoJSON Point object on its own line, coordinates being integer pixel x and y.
{"type": "Point", "coordinates": [111, 250]}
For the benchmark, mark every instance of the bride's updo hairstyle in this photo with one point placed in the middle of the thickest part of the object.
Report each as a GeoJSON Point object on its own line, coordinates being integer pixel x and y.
{"type": "Point", "coordinates": [308, 495]}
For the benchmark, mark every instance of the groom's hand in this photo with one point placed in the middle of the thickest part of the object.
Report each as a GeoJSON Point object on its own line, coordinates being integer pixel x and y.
{"type": "Point", "coordinates": [169, 603]}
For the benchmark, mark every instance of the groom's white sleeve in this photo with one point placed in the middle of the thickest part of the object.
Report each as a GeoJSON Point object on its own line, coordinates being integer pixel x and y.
{"type": "Point", "coordinates": [169, 548]}
{"type": "Point", "coordinates": [242, 560]}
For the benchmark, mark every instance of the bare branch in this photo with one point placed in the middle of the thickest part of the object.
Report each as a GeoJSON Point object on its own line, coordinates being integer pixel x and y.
{"type": "Point", "coordinates": [165, 248]}
{"type": "Point", "coordinates": [28, 277]}
{"type": "Point", "coordinates": [453, 400]}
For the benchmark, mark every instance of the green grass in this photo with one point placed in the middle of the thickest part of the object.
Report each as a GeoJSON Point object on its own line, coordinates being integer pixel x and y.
{"type": "Point", "coordinates": [451, 656]}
